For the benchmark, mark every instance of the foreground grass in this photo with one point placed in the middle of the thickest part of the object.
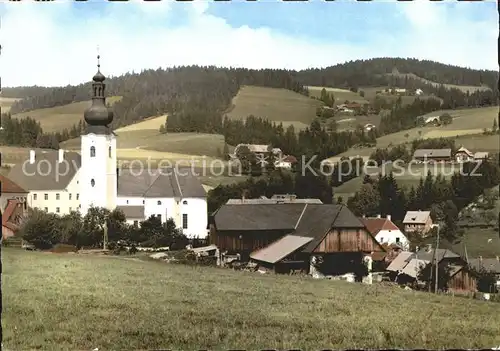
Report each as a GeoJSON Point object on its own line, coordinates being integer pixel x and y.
{"type": "Point", "coordinates": [74, 302]}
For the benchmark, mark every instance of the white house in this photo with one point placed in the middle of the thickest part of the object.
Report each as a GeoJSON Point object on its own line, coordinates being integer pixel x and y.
{"type": "Point", "coordinates": [386, 232]}
{"type": "Point", "coordinates": [62, 182]}
{"type": "Point", "coordinates": [418, 92]}
{"type": "Point", "coordinates": [463, 155]}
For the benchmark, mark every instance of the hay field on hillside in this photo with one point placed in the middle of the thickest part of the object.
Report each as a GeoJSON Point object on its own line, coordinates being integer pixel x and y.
{"type": "Point", "coordinates": [278, 105]}
{"type": "Point", "coordinates": [144, 139]}
{"type": "Point", "coordinates": [57, 118]}
{"type": "Point", "coordinates": [340, 95]}
{"type": "Point", "coordinates": [463, 88]}
{"type": "Point", "coordinates": [83, 302]}
{"type": "Point", "coordinates": [6, 103]}
{"type": "Point", "coordinates": [467, 123]}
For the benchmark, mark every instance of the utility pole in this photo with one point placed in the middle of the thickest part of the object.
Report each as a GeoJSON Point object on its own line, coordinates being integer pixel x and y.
{"type": "Point", "coordinates": [105, 239]}
{"type": "Point", "coordinates": [437, 261]}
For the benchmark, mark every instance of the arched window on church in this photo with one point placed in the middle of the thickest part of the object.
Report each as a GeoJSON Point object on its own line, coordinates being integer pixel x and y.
{"type": "Point", "coordinates": [92, 151]}
{"type": "Point", "coordinates": [109, 152]}
{"type": "Point", "coordinates": [184, 202]}
{"type": "Point", "coordinates": [92, 182]}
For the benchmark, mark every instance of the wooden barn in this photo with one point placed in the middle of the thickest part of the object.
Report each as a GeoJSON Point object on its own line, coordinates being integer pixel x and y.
{"type": "Point", "coordinates": [286, 236]}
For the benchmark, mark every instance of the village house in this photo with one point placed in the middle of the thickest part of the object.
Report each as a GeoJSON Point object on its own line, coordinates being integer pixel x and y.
{"type": "Point", "coordinates": [260, 150]}
{"type": "Point", "coordinates": [291, 236]}
{"type": "Point", "coordinates": [385, 231]}
{"type": "Point", "coordinates": [491, 265]}
{"type": "Point", "coordinates": [418, 92]}
{"type": "Point", "coordinates": [406, 267]}
{"type": "Point", "coordinates": [275, 199]}
{"type": "Point", "coordinates": [417, 221]}
{"type": "Point", "coordinates": [369, 127]}
{"type": "Point", "coordinates": [432, 155]}
{"type": "Point", "coordinates": [463, 155]}
{"type": "Point", "coordinates": [433, 120]}
{"type": "Point", "coordinates": [286, 162]}
{"type": "Point", "coordinates": [13, 204]}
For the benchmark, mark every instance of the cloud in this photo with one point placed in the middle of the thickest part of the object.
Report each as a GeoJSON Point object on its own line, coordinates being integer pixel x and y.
{"type": "Point", "coordinates": [56, 45]}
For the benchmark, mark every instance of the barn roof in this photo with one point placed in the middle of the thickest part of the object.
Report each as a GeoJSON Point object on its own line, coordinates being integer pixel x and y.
{"type": "Point", "coordinates": [416, 217]}
{"type": "Point", "coordinates": [280, 248]}
{"type": "Point", "coordinates": [8, 186]}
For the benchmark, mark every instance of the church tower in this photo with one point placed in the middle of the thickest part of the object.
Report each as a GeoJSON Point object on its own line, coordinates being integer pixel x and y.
{"type": "Point", "coordinates": [98, 175]}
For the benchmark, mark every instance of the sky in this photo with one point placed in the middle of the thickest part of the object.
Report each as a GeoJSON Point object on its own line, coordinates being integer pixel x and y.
{"type": "Point", "coordinates": [55, 44]}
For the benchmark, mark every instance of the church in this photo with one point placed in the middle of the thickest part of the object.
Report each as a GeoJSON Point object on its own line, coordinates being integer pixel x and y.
{"type": "Point", "coordinates": [61, 181]}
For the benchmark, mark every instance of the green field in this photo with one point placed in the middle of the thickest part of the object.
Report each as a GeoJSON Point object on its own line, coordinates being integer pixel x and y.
{"type": "Point", "coordinates": [278, 105]}
{"type": "Point", "coordinates": [6, 103]}
{"type": "Point", "coordinates": [57, 118]}
{"type": "Point", "coordinates": [463, 88]}
{"type": "Point", "coordinates": [341, 95]}
{"type": "Point", "coordinates": [467, 125]}
{"type": "Point", "coordinates": [86, 302]}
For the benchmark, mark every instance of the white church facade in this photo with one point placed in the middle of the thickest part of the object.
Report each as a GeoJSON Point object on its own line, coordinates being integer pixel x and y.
{"type": "Point", "coordinates": [62, 182]}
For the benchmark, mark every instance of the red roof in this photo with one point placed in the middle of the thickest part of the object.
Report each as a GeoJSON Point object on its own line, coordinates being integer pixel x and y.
{"type": "Point", "coordinates": [8, 214]}
{"type": "Point", "coordinates": [8, 186]}
{"type": "Point", "coordinates": [374, 225]}
{"type": "Point", "coordinates": [290, 158]}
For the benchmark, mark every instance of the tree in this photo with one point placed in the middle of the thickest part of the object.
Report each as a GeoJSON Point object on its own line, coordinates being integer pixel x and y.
{"type": "Point", "coordinates": [427, 275]}
{"type": "Point", "coordinates": [494, 129]}
{"type": "Point", "coordinates": [41, 229]}
{"type": "Point", "coordinates": [362, 93]}
{"type": "Point", "coordinates": [445, 118]}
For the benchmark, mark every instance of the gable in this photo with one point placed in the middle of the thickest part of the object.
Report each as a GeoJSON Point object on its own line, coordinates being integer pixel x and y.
{"type": "Point", "coordinates": [348, 240]}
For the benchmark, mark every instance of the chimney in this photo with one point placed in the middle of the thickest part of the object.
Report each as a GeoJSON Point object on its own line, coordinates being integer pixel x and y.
{"type": "Point", "coordinates": [32, 156]}
{"type": "Point", "coordinates": [379, 216]}
{"type": "Point", "coordinates": [389, 217]}
{"type": "Point", "coordinates": [61, 155]}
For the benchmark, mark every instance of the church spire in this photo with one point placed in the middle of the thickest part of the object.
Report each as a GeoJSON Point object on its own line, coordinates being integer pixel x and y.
{"type": "Point", "coordinates": [98, 117]}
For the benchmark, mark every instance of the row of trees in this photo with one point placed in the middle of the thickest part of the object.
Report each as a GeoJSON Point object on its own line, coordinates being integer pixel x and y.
{"type": "Point", "coordinates": [445, 198]}
{"type": "Point", "coordinates": [45, 230]}
{"type": "Point", "coordinates": [314, 140]}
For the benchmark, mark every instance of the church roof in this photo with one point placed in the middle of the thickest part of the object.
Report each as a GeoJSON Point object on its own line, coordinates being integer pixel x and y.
{"type": "Point", "coordinates": [46, 173]}
{"type": "Point", "coordinates": [159, 183]}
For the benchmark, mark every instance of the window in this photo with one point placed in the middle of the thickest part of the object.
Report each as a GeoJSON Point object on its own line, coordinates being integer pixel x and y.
{"type": "Point", "coordinates": [127, 202]}
{"type": "Point", "coordinates": [159, 217]}
{"type": "Point", "coordinates": [57, 210]}
{"type": "Point", "coordinates": [77, 196]}
{"type": "Point", "coordinates": [34, 196]}
{"type": "Point", "coordinates": [92, 183]}
{"type": "Point", "coordinates": [58, 196]}
{"type": "Point", "coordinates": [46, 209]}
{"type": "Point", "coordinates": [184, 221]}
{"type": "Point", "coordinates": [184, 202]}
{"type": "Point", "coordinates": [46, 196]}
{"type": "Point", "coordinates": [382, 239]}
{"type": "Point", "coordinates": [92, 151]}
{"type": "Point", "coordinates": [397, 239]}
{"type": "Point", "coordinates": [70, 195]}
{"type": "Point", "coordinates": [159, 202]}
{"type": "Point", "coordinates": [109, 152]}
{"type": "Point", "coordinates": [143, 202]}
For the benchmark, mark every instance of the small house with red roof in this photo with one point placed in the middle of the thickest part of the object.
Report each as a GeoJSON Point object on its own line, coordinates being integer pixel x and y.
{"type": "Point", "coordinates": [13, 205]}
{"type": "Point", "coordinates": [385, 231]}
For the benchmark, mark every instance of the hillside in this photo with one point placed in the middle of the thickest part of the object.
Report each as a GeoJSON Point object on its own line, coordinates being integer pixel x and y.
{"type": "Point", "coordinates": [6, 103]}
{"type": "Point", "coordinates": [277, 105]}
{"type": "Point", "coordinates": [196, 97]}
{"type": "Point", "coordinates": [215, 309]}
{"type": "Point", "coordinates": [463, 88]}
{"type": "Point", "coordinates": [55, 119]}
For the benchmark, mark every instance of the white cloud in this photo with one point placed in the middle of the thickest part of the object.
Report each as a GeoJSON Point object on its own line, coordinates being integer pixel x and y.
{"type": "Point", "coordinates": [39, 49]}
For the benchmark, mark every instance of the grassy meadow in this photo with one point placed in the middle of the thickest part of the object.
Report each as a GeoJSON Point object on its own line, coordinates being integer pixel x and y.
{"type": "Point", "coordinates": [340, 95]}
{"type": "Point", "coordinates": [57, 118]}
{"type": "Point", "coordinates": [463, 88]}
{"type": "Point", "coordinates": [277, 105]}
{"type": "Point", "coordinates": [82, 302]}
{"type": "Point", "coordinates": [6, 103]}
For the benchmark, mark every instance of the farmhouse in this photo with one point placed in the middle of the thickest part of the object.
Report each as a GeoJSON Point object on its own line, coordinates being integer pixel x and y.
{"type": "Point", "coordinates": [432, 155]}
{"type": "Point", "coordinates": [286, 162]}
{"type": "Point", "coordinates": [463, 155]}
{"type": "Point", "coordinates": [289, 236]}
{"type": "Point", "coordinates": [257, 149]}
{"type": "Point", "coordinates": [406, 267]}
{"type": "Point", "coordinates": [13, 206]}
{"type": "Point", "coordinates": [487, 264]}
{"type": "Point", "coordinates": [385, 231]}
{"type": "Point", "coordinates": [369, 127]}
{"type": "Point", "coordinates": [417, 221]}
{"type": "Point", "coordinates": [62, 182]}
